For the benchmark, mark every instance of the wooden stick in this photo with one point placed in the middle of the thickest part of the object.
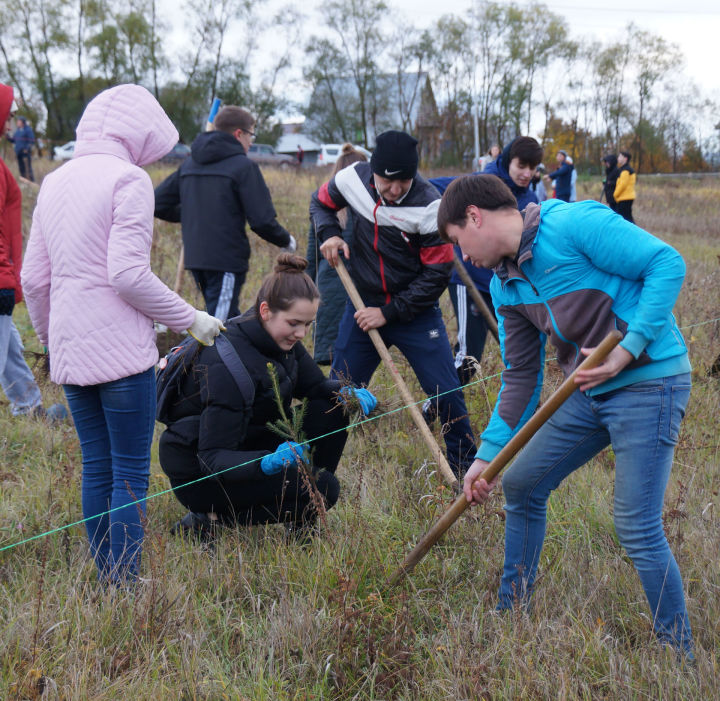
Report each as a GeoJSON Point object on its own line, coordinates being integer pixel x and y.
{"type": "Point", "coordinates": [489, 317]}
{"type": "Point", "coordinates": [399, 382]}
{"type": "Point", "coordinates": [505, 455]}
{"type": "Point", "coordinates": [180, 271]}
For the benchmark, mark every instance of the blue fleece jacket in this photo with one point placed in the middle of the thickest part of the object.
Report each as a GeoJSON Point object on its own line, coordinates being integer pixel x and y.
{"type": "Point", "coordinates": [580, 272]}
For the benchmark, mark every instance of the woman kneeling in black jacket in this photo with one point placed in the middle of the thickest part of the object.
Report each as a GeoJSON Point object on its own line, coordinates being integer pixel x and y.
{"type": "Point", "coordinates": [211, 429]}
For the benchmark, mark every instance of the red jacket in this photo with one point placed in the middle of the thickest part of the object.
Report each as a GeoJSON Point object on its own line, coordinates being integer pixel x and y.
{"type": "Point", "coordinates": [10, 214]}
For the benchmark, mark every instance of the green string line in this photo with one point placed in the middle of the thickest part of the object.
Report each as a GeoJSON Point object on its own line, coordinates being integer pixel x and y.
{"type": "Point", "coordinates": [234, 467]}
{"type": "Point", "coordinates": [228, 469]}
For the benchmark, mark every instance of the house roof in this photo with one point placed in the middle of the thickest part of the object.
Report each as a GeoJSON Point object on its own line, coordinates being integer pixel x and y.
{"type": "Point", "coordinates": [288, 143]}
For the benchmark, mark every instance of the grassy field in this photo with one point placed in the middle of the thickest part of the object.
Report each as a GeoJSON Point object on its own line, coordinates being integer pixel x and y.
{"type": "Point", "coordinates": [257, 618]}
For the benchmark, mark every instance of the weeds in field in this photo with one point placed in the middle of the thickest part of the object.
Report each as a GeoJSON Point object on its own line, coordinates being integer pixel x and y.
{"type": "Point", "coordinates": [258, 618]}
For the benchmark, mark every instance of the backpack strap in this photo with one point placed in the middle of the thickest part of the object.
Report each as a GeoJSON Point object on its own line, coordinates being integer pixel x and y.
{"type": "Point", "coordinates": [237, 369]}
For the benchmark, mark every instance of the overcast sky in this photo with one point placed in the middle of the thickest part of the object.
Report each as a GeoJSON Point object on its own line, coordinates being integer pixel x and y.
{"type": "Point", "coordinates": [694, 25]}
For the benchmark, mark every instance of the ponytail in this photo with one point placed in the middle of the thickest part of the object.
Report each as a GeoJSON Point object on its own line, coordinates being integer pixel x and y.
{"type": "Point", "coordinates": [287, 283]}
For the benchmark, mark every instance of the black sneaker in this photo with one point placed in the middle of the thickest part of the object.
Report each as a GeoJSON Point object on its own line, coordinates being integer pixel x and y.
{"type": "Point", "coordinates": [196, 524]}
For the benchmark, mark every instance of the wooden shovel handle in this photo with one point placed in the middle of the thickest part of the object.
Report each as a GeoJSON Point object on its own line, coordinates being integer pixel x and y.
{"type": "Point", "coordinates": [382, 350]}
{"type": "Point", "coordinates": [506, 454]}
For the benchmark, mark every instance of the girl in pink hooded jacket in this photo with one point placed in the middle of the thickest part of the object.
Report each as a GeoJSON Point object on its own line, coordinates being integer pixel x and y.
{"type": "Point", "coordinates": [92, 299]}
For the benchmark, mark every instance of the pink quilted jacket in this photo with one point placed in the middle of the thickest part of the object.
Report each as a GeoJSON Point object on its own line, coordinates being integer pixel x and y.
{"type": "Point", "coordinates": [88, 285]}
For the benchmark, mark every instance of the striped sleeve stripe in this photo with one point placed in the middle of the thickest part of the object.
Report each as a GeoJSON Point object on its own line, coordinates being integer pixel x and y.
{"type": "Point", "coordinates": [433, 255]}
{"type": "Point", "coordinates": [324, 197]}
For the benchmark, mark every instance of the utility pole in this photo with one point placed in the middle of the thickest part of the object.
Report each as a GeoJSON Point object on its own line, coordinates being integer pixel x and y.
{"type": "Point", "coordinates": [476, 134]}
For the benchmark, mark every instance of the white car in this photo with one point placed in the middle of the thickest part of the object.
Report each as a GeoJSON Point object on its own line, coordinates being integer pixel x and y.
{"type": "Point", "coordinates": [64, 152]}
{"type": "Point", "coordinates": [329, 153]}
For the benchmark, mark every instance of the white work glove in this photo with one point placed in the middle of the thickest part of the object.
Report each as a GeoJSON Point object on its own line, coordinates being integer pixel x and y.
{"type": "Point", "coordinates": [205, 328]}
{"type": "Point", "coordinates": [291, 247]}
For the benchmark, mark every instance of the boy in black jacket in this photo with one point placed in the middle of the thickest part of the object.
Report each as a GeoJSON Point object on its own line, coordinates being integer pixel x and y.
{"type": "Point", "coordinates": [213, 194]}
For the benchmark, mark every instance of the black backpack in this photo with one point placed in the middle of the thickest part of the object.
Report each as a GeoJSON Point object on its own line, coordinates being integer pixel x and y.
{"type": "Point", "coordinates": [173, 368]}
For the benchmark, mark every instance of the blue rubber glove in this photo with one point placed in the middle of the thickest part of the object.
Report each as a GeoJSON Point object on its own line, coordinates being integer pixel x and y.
{"type": "Point", "coordinates": [282, 457]}
{"type": "Point", "coordinates": [365, 397]}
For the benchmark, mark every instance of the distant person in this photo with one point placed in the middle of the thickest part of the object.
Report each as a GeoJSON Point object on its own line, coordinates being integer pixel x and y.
{"type": "Point", "coordinates": [214, 429]}
{"type": "Point", "coordinates": [569, 275]}
{"type": "Point", "coordinates": [332, 293]}
{"type": "Point", "coordinates": [400, 268]}
{"type": "Point", "coordinates": [573, 180]}
{"type": "Point", "coordinates": [23, 140]}
{"type": "Point", "coordinates": [300, 155]}
{"type": "Point", "coordinates": [562, 176]}
{"type": "Point", "coordinates": [624, 193]}
{"type": "Point", "coordinates": [516, 167]}
{"type": "Point", "coordinates": [610, 164]}
{"type": "Point", "coordinates": [16, 378]}
{"type": "Point", "coordinates": [213, 194]}
{"type": "Point", "coordinates": [489, 157]}
{"type": "Point", "coordinates": [92, 299]}
{"type": "Point", "coordinates": [537, 185]}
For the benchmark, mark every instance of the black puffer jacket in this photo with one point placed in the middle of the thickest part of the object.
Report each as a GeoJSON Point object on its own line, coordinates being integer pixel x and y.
{"type": "Point", "coordinates": [401, 272]}
{"type": "Point", "coordinates": [231, 433]}
{"type": "Point", "coordinates": [214, 193]}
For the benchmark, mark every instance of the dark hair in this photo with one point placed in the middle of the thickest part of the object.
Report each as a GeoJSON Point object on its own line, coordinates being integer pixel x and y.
{"type": "Point", "coordinates": [230, 118]}
{"type": "Point", "coordinates": [527, 150]}
{"type": "Point", "coordinates": [348, 156]}
{"type": "Point", "coordinates": [627, 154]}
{"type": "Point", "coordinates": [483, 191]}
{"type": "Point", "coordinates": [287, 283]}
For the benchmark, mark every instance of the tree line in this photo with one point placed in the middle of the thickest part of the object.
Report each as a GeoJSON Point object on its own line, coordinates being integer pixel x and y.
{"type": "Point", "coordinates": [516, 66]}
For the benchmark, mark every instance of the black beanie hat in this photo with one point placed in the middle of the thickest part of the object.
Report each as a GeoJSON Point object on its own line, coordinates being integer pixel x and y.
{"type": "Point", "coordinates": [395, 156]}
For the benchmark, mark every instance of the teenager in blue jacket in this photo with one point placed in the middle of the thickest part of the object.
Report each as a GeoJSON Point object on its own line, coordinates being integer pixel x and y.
{"type": "Point", "coordinates": [572, 273]}
{"type": "Point", "coordinates": [515, 166]}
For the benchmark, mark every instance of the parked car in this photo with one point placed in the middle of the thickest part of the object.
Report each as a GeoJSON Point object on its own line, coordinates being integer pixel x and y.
{"type": "Point", "coordinates": [64, 152]}
{"type": "Point", "coordinates": [264, 154]}
{"type": "Point", "coordinates": [329, 153]}
{"type": "Point", "coordinates": [177, 154]}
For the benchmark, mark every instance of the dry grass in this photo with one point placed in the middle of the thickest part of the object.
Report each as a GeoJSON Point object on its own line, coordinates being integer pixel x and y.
{"type": "Point", "coordinates": [256, 618]}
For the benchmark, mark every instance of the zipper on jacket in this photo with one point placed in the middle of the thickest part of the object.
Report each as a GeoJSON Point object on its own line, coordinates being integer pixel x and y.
{"type": "Point", "coordinates": [380, 259]}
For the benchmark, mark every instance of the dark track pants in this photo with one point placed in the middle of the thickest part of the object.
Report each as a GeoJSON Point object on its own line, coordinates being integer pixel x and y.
{"type": "Point", "coordinates": [424, 342]}
{"type": "Point", "coordinates": [624, 209]}
{"type": "Point", "coordinates": [221, 292]}
{"type": "Point", "coordinates": [274, 498]}
{"type": "Point", "coordinates": [472, 329]}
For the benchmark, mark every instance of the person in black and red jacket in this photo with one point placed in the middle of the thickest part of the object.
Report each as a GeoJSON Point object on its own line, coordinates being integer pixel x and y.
{"type": "Point", "coordinates": [400, 267]}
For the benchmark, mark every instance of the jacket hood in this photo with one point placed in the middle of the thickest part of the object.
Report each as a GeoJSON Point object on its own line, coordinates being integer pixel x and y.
{"type": "Point", "coordinates": [128, 122]}
{"type": "Point", "coordinates": [6, 99]}
{"type": "Point", "coordinates": [501, 167]}
{"type": "Point", "coordinates": [610, 161]}
{"type": "Point", "coordinates": [505, 156]}
{"type": "Point", "coordinates": [214, 146]}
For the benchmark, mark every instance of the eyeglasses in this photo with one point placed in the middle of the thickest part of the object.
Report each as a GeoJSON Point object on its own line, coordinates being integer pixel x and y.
{"type": "Point", "coordinates": [250, 133]}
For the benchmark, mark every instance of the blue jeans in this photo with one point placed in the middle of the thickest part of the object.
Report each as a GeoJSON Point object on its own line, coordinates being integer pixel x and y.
{"type": "Point", "coordinates": [115, 423]}
{"type": "Point", "coordinates": [424, 342]}
{"type": "Point", "coordinates": [16, 377]}
{"type": "Point", "coordinates": [641, 422]}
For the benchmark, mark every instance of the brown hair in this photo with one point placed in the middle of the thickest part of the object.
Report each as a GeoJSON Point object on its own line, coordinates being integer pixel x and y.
{"type": "Point", "coordinates": [348, 156]}
{"type": "Point", "coordinates": [287, 283]}
{"type": "Point", "coordinates": [527, 150]}
{"type": "Point", "coordinates": [230, 118]}
{"type": "Point", "coordinates": [483, 191]}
